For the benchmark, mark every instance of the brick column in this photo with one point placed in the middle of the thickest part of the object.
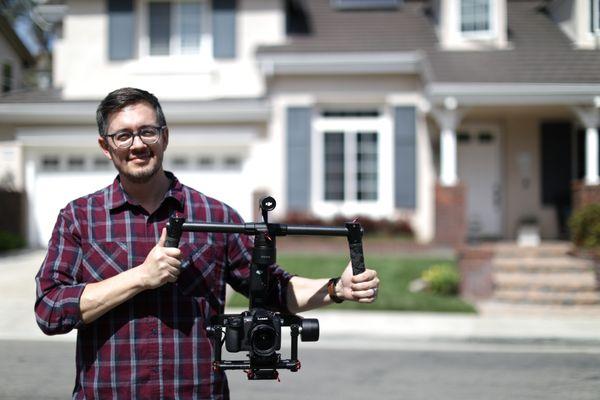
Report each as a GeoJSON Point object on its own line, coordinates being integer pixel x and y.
{"type": "Point", "coordinates": [450, 214]}
{"type": "Point", "coordinates": [584, 194]}
{"type": "Point", "coordinates": [475, 266]}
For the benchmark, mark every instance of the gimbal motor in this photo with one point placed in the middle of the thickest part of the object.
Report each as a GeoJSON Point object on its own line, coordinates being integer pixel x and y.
{"type": "Point", "coordinates": [258, 330]}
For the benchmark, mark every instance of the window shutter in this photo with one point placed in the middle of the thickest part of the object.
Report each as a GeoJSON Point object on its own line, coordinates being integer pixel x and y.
{"type": "Point", "coordinates": [121, 28]}
{"type": "Point", "coordinates": [298, 158]}
{"type": "Point", "coordinates": [224, 28]}
{"type": "Point", "coordinates": [405, 166]}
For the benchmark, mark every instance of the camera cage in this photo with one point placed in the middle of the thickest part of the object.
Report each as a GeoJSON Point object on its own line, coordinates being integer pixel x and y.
{"type": "Point", "coordinates": [264, 364]}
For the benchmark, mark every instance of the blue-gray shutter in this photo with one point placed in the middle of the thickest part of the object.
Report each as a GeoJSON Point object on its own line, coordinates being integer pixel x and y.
{"type": "Point", "coordinates": [121, 30]}
{"type": "Point", "coordinates": [298, 158]}
{"type": "Point", "coordinates": [224, 28]}
{"type": "Point", "coordinates": [405, 157]}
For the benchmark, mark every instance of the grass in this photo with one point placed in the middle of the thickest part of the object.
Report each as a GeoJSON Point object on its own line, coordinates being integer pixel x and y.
{"type": "Point", "coordinates": [395, 274]}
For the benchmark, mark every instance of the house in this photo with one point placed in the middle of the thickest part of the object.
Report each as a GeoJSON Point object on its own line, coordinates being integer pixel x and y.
{"type": "Point", "coordinates": [15, 62]}
{"type": "Point", "coordinates": [464, 117]}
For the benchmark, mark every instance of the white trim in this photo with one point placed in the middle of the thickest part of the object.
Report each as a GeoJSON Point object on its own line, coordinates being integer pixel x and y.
{"type": "Point", "coordinates": [448, 165]}
{"type": "Point", "coordinates": [176, 111]}
{"type": "Point", "coordinates": [591, 156]}
{"type": "Point", "coordinates": [513, 93]}
{"type": "Point", "coordinates": [343, 62]}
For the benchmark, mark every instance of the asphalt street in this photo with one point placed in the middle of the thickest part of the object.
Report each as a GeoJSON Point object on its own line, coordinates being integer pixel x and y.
{"type": "Point", "coordinates": [45, 370]}
{"type": "Point", "coordinates": [361, 355]}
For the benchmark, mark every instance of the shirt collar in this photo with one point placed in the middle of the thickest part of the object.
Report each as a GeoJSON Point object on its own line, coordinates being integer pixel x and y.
{"type": "Point", "coordinates": [118, 197]}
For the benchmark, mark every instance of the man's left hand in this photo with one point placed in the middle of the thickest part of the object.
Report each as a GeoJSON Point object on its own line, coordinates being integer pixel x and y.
{"type": "Point", "coordinates": [362, 287]}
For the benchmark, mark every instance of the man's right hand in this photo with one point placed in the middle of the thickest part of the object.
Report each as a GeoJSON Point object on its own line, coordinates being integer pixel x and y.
{"type": "Point", "coordinates": [162, 265]}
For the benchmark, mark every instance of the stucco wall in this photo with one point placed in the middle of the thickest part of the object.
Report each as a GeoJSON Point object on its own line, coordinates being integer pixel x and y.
{"type": "Point", "coordinates": [89, 74]}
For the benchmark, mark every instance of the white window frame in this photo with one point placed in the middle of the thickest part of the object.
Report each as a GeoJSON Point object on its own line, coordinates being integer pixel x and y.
{"type": "Point", "coordinates": [383, 205]}
{"type": "Point", "coordinates": [479, 34]}
{"type": "Point", "coordinates": [175, 51]}
{"type": "Point", "coordinates": [594, 18]}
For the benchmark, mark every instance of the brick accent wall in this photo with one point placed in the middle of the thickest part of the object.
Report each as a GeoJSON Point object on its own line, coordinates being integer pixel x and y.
{"type": "Point", "coordinates": [450, 215]}
{"type": "Point", "coordinates": [584, 194]}
{"type": "Point", "coordinates": [475, 267]}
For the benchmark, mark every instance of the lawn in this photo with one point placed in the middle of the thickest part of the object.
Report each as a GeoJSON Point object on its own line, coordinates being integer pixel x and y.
{"type": "Point", "coordinates": [395, 274]}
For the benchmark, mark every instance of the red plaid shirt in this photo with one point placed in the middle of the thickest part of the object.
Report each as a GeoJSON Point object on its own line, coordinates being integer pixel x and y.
{"type": "Point", "coordinates": [154, 345]}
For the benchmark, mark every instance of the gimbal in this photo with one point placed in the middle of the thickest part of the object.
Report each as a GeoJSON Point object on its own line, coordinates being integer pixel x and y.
{"type": "Point", "coordinates": [258, 330]}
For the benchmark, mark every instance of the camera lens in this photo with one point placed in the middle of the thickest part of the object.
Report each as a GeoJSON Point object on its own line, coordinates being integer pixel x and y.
{"type": "Point", "coordinates": [263, 339]}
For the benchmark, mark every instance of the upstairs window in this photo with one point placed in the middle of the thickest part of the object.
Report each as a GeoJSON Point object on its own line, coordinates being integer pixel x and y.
{"type": "Point", "coordinates": [175, 27]}
{"type": "Point", "coordinates": [595, 16]}
{"type": "Point", "coordinates": [475, 16]}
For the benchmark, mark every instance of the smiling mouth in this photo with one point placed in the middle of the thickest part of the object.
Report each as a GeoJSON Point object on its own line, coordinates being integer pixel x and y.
{"type": "Point", "coordinates": [140, 158]}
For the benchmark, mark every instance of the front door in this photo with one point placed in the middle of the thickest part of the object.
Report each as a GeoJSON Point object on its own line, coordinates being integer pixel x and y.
{"type": "Point", "coordinates": [479, 170]}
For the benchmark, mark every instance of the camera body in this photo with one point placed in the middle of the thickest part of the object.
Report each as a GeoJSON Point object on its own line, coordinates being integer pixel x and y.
{"type": "Point", "coordinates": [257, 331]}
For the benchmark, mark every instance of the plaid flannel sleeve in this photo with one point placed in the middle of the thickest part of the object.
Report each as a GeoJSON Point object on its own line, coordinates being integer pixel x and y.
{"type": "Point", "coordinates": [57, 289]}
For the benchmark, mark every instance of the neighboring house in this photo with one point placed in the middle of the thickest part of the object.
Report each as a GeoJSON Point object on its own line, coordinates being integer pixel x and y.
{"type": "Point", "coordinates": [464, 117]}
{"type": "Point", "coordinates": [15, 60]}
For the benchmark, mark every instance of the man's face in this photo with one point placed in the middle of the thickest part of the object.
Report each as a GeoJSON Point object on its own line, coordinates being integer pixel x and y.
{"type": "Point", "coordinates": [140, 162]}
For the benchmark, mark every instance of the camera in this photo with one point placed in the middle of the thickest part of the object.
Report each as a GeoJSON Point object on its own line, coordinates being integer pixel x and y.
{"type": "Point", "coordinates": [256, 331]}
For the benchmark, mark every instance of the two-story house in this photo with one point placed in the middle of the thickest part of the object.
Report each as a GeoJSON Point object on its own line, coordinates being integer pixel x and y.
{"type": "Point", "coordinates": [464, 117]}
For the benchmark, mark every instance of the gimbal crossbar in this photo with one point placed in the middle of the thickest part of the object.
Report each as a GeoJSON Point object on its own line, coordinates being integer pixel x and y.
{"type": "Point", "coordinates": [258, 330]}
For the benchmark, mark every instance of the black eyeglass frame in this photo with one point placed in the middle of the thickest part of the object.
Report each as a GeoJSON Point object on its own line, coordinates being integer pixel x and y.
{"type": "Point", "coordinates": [138, 133]}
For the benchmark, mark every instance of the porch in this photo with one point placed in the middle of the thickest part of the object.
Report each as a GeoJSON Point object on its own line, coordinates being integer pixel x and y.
{"type": "Point", "coordinates": [504, 169]}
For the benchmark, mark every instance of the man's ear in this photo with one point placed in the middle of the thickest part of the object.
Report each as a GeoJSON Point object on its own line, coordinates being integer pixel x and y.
{"type": "Point", "coordinates": [103, 143]}
{"type": "Point", "coordinates": [165, 138]}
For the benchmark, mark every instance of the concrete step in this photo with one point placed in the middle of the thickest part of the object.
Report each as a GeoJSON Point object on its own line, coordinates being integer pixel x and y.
{"type": "Point", "coordinates": [539, 297]}
{"type": "Point", "coordinates": [541, 264]}
{"type": "Point", "coordinates": [548, 281]}
{"type": "Point", "coordinates": [546, 249]}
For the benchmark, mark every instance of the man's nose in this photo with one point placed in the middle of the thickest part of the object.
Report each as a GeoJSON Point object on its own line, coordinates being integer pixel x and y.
{"type": "Point", "coordinates": [137, 141]}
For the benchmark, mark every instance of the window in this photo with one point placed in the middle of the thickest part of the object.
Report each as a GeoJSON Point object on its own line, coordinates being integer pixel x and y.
{"type": "Point", "coordinates": [595, 16]}
{"type": "Point", "coordinates": [334, 166]}
{"type": "Point", "coordinates": [475, 16]}
{"type": "Point", "coordinates": [75, 163]}
{"type": "Point", "coordinates": [366, 166]}
{"type": "Point", "coordinates": [232, 162]}
{"type": "Point", "coordinates": [175, 27]}
{"type": "Point", "coordinates": [6, 78]}
{"type": "Point", "coordinates": [206, 162]}
{"type": "Point", "coordinates": [365, 4]}
{"type": "Point", "coordinates": [350, 166]}
{"type": "Point", "coordinates": [50, 163]}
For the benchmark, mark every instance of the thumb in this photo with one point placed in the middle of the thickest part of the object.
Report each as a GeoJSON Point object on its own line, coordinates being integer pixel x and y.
{"type": "Point", "coordinates": [163, 238]}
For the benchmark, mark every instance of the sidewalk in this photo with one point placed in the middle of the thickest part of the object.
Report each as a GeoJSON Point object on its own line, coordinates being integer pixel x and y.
{"type": "Point", "coordinates": [354, 329]}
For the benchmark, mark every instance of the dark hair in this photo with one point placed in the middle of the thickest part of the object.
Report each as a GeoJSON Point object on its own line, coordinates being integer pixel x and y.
{"type": "Point", "coordinates": [120, 98]}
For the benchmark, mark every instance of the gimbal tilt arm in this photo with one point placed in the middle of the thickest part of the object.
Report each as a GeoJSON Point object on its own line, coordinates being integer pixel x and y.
{"type": "Point", "coordinates": [264, 255]}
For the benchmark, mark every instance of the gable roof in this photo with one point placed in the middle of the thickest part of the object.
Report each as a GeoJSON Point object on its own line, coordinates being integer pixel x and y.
{"type": "Point", "coordinates": [7, 31]}
{"type": "Point", "coordinates": [539, 51]}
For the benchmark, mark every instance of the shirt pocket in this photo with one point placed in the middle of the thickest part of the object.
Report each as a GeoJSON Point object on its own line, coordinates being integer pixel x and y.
{"type": "Point", "coordinates": [102, 260]}
{"type": "Point", "coordinates": [199, 270]}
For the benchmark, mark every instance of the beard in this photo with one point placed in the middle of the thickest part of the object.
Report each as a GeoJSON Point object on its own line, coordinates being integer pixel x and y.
{"type": "Point", "coordinates": [137, 174]}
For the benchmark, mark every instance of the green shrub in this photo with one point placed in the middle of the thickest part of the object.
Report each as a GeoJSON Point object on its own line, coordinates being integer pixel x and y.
{"type": "Point", "coordinates": [441, 279]}
{"type": "Point", "coordinates": [585, 227]}
{"type": "Point", "coordinates": [10, 241]}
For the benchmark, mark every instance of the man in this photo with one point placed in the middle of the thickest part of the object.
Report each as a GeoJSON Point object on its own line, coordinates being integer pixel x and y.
{"type": "Point", "coordinates": [141, 308]}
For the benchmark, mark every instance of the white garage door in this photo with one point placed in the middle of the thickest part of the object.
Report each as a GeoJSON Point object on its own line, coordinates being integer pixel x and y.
{"type": "Point", "coordinates": [55, 179]}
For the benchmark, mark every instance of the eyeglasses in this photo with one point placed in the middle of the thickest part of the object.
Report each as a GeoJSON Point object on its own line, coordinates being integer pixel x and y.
{"type": "Point", "coordinates": [148, 135]}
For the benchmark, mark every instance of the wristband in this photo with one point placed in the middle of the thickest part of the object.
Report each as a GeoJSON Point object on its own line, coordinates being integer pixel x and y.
{"type": "Point", "coordinates": [331, 290]}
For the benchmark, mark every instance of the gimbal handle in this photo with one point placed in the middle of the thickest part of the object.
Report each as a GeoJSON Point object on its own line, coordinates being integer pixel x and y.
{"type": "Point", "coordinates": [352, 231]}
